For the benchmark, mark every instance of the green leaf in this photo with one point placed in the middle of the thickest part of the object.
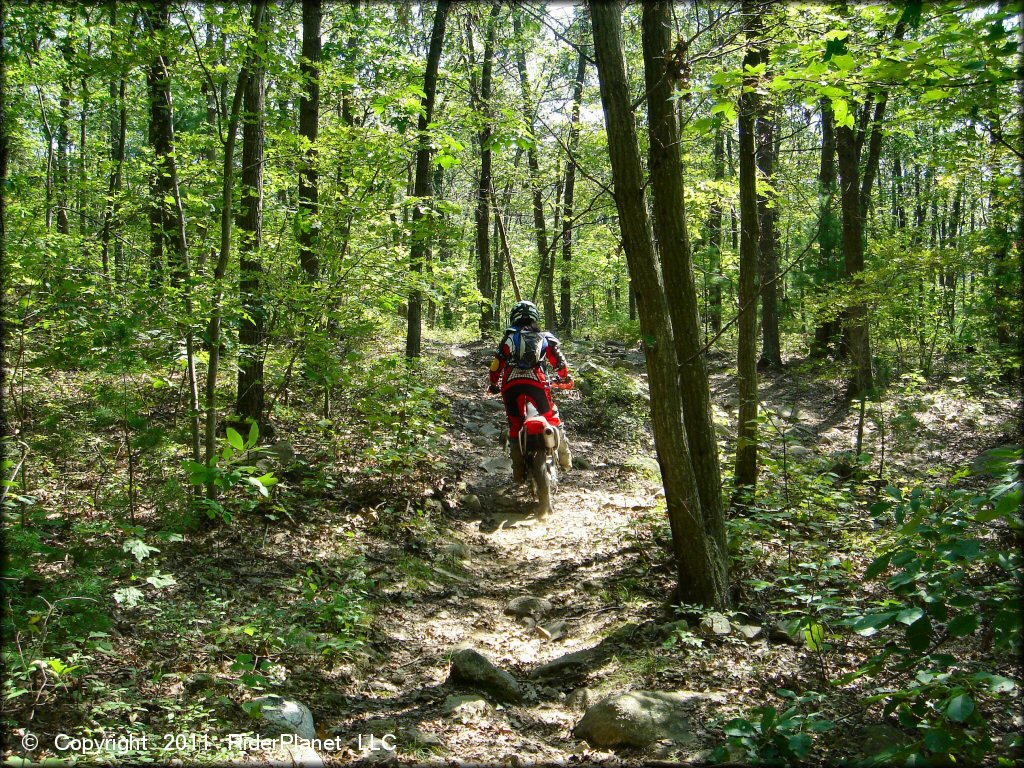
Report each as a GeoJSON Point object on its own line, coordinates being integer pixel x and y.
{"type": "Point", "coordinates": [844, 61]}
{"type": "Point", "coordinates": [739, 726]}
{"type": "Point", "coordinates": [161, 580]}
{"type": "Point", "coordinates": [869, 625]}
{"type": "Point", "coordinates": [139, 549]}
{"type": "Point", "coordinates": [815, 635]}
{"type": "Point", "coordinates": [938, 740]}
{"type": "Point", "coordinates": [962, 625]}
{"type": "Point", "coordinates": [878, 565]}
{"type": "Point", "coordinates": [919, 634]}
{"type": "Point", "coordinates": [960, 708]}
{"type": "Point", "coordinates": [909, 615]}
{"type": "Point", "coordinates": [800, 744]}
{"type": "Point", "coordinates": [254, 435]}
{"type": "Point", "coordinates": [842, 113]}
{"type": "Point", "coordinates": [235, 440]}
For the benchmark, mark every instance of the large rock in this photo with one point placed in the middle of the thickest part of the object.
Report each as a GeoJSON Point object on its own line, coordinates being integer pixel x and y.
{"type": "Point", "coordinates": [638, 719]}
{"type": "Point", "coordinates": [281, 715]}
{"type": "Point", "coordinates": [528, 605]}
{"type": "Point", "coordinates": [570, 662]}
{"type": "Point", "coordinates": [496, 465]}
{"type": "Point", "coordinates": [472, 668]}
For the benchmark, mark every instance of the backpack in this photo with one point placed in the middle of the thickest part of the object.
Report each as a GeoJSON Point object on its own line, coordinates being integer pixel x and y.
{"type": "Point", "coordinates": [528, 347]}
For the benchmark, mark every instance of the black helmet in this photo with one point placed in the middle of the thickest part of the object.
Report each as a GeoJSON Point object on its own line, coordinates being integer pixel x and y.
{"type": "Point", "coordinates": [523, 312]}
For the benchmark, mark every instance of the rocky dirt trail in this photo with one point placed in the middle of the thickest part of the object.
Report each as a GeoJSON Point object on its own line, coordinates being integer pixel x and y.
{"type": "Point", "coordinates": [534, 596]}
{"type": "Point", "coordinates": [525, 623]}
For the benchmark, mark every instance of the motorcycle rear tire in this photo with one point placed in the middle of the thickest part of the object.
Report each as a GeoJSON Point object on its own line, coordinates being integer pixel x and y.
{"type": "Point", "coordinates": [543, 479]}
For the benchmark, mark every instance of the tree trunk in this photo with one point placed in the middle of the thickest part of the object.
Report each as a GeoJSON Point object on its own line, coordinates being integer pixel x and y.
{"type": "Point", "coordinates": [251, 328]}
{"type": "Point", "coordinates": [746, 429]}
{"type": "Point", "coordinates": [63, 180]}
{"type": "Point", "coordinates": [568, 205]}
{"type": "Point", "coordinates": [158, 182]}
{"type": "Point", "coordinates": [827, 333]}
{"type": "Point", "coordinates": [715, 236]}
{"type": "Point", "coordinates": [545, 275]}
{"type": "Point", "coordinates": [309, 119]}
{"type": "Point", "coordinates": [858, 338]}
{"type": "Point", "coordinates": [483, 205]}
{"type": "Point", "coordinates": [666, 170]}
{"type": "Point", "coordinates": [422, 189]}
{"type": "Point", "coordinates": [766, 130]}
{"type": "Point", "coordinates": [118, 140]}
{"type": "Point", "coordinates": [224, 255]}
{"type": "Point", "coordinates": [4, 429]}
{"type": "Point", "coordinates": [172, 210]}
{"type": "Point", "coordinates": [699, 568]}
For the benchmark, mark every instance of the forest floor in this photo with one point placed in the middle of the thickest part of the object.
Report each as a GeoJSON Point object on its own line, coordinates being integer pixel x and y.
{"type": "Point", "coordinates": [603, 572]}
{"type": "Point", "coordinates": [420, 579]}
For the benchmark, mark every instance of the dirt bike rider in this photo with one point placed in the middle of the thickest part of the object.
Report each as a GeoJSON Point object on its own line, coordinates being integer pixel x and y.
{"type": "Point", "coordinates": [519, 366]}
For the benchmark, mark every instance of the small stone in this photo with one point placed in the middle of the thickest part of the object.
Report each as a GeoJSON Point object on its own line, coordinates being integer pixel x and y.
{"type": "Point", "coordinates": [458, 550]}
{"type": "Point", "coordinates": [285, 716]}
{"type": "Point", "coordinates": [528, 605]}
{"type": "Point", "coordinates": [472, 502]}
{"type": "Point", "coordinates": [673, 627]}
{"type": "Point", "coordinates": [471, 705]}
{"type": "Point", "coordinates": [553, 630]}
{"type": "Point", "coordinates": [581, 698]}
{"type": "Point", "coordinates": [473, 668]}
{"type": "Point", "coordinates": [750, 632]}
{"type": "Point", "coordinates": [496, 465]}
{"type": "Point", "coordinates": [715, 624]}
{"type": "Point", "coordinates": [787, 632]}
{"type": "Point", "coordinates": [424, 738]}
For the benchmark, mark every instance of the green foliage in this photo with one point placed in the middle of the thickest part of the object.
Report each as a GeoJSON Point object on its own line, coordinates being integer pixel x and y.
{"type": "Point", "coordinates": [770, 737]}
{"type": "Point", "coordinates": [951, 576]}
{"type": "Point", "coordinates": [397, 411]}
{"type": "Point", "coordinates": [230, 470]}
{"type": "Point", "coordinates": [614, 402]}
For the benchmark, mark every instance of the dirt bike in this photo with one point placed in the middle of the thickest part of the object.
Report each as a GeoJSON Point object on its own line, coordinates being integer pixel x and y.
{"type": "Point", "coordinates": [539, 443]}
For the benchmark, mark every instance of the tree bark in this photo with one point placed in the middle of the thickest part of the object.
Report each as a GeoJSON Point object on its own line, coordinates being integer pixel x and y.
{"type": "Point", "coordinates": [569, 199]}
{"type": "Point", "coordinates": [666, 170]}
{"type": "Point", "coordinates": [858, 338]}
{"type": "Point", "coordinates": [4, 429]}
{"type": "Point", "coordinates": [224, 255]}
{"type": "Point", "coordinates": [545, 275]}
{"type": "Point", "coordinates": [63, 179]}
{"type": "Point", "coordinates": [699, 569]}
{"type": "Point", "coordinates": [766, 130]}
{"type": "Point", "coordinates": [746, 430]}
{"type": "Point", "coordinates": [309, 119]}
{"type": "Point", "coordinates": [715, 236]}
{"type": "Point", "coordinates": [172, 210]}
{"type": "Point", "coordinates": [118, 141]}
{"type": "Point", "coordinates": [826, 334]}
{"type": "Point", "coordinates": [485, 181]}
{"type": "Point", "coordinates": [249, 401]}
{"type": "Point", "coordinates": [423, 185]}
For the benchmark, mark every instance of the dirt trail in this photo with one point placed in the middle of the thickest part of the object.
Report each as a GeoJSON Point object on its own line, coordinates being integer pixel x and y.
{"type": "Point", "coordinates": [596, 567]}
{"type": "Point", "coordinates": [504, 551]}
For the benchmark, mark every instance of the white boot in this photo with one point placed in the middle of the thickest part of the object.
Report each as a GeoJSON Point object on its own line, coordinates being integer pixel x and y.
{"type": "Point", "coordinates": [564, 454]}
